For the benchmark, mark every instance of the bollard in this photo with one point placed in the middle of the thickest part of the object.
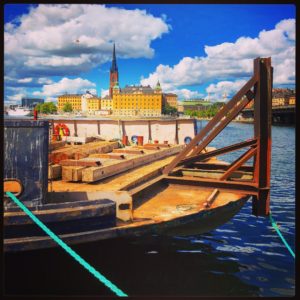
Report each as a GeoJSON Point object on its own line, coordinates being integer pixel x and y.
{"type": "Point", "coordinates": [140, 140]}
{"type": "Point", "coordinates": [166, 142]}
{"type": "Point", "coordinates": [35, 114]}
{"type": "Point", "coordinates": [156, 142]}
{"type": "Point", "coordinates": [125, 140]}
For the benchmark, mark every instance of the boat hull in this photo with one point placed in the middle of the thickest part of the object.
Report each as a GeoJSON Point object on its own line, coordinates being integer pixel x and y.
{"type": "Point", "coordinates": [196, 223]}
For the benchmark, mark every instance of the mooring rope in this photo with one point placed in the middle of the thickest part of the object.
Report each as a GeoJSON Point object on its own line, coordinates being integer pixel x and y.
{"type": "Point", "coordinates": [69, 250]}
{"type": "Point", "coordinates": [281, 236]}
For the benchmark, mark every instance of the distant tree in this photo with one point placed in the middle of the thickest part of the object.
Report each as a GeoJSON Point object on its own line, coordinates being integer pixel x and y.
{"type": "Point", "coordinates": [67, 107]}
{"type": "Point", "coordinates": [169, 110]}
{"type": "Point", "coordinates": [48, 108]}
{"type": "Point", "coordinates": [38, 107]}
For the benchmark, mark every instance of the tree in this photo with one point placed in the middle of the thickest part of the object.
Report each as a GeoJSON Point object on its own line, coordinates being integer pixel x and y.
{"type": "Point", "coordinates": [48, 108]}
{"type": "Point", "coordinates": [167, 110]}
{"type": "Point", "coordinates": [38, 107]}
{"type": "Point", "coordinates": [67, 107]}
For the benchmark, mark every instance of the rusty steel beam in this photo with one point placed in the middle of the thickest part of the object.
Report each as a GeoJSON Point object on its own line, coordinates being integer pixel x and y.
{"type": "Point", "coordinates": [249, 188]}
{"type": "Point", "coordinates": [224, 122]}
{"type": "Point", "coordinates": [211, 124]}
{"type": "Point", "coordinates": [211, 166]}
{"type": "Point", "coordinates": [221, 151]}
{"type": "Point", "coordinates": [238, 163]}
{"type": "Point", "coordinates": [262, 131]}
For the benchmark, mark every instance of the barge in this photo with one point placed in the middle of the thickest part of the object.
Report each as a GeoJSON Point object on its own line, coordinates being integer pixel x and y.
{"type": "Point", "coordinates": [135, 190]}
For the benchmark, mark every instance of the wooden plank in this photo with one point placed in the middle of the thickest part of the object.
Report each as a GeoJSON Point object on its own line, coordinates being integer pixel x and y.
{"type": "Point", "coordinates": [108, 155]}
{"type": "Point", "coordinates": [81, 163]}
{"type": "Point", "coordinates": [54, 171]}
{"type": "Point", "coordinates": [97, 173]}
{"type": "Point", "coordinates": [152, 147]}
{"type": "Point", "coordinates": [56, 144]}
{"type": "Point", "coordinates": [72, 173]}
{"type": "Point", "coordinates": [158, 145]}
{"type": "Point", "coordinates": [128, 151]}
{"type": "Point", "coordinates": [77, 152]}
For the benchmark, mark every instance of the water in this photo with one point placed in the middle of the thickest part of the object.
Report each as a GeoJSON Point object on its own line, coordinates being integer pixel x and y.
{"type": "Point", "coordinates": [244, 257]}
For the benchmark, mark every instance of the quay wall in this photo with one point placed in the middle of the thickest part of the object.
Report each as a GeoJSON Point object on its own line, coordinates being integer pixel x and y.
{"type": "Point", "coordinates": [175, 131]}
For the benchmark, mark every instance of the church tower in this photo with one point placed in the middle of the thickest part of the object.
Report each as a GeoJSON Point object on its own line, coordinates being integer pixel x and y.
{"type": "Point", "coordinates": [114, 74]}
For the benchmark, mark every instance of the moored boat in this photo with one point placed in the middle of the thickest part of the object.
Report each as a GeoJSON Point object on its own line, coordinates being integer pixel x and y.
{"type": "Point", "coordinates": [190, 193]}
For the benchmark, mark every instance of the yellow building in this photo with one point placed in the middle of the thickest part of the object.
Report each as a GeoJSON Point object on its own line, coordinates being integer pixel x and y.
{"type": "Point", "coordinates": [170, 99]}
{"type": "Point", "coordinates": [106, 103]}
{"type": "Point", "coordinates": [80, 102]}
{"type": "Point", "coordinates": [141, 101]}
{"type": "Point", "coordinates": [73, 99]}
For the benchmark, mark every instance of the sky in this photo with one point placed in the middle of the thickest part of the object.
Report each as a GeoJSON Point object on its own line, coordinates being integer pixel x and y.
{"type": "Point", "coordinates": [194, 50]}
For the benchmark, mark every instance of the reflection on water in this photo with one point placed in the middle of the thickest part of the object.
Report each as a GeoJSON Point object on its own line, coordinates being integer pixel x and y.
{"type": "Point", "coordinates": [244, 257]}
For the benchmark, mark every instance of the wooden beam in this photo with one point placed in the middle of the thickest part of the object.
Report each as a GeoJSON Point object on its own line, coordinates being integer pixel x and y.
{"type": "Point", "coordinates": [108, 155]}
{"type": "Point", "coordinates": [97, 173]}
{"type": "Point", "coordinates": [128, 151]}
{"type": "Point", "coordinates": [81, 163]}
{"type": "Point", "coordinates": [72, 173]}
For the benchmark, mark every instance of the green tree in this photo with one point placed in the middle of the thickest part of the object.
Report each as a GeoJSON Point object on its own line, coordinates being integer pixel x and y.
{"type": "Point", "coordinates": [67, 107]}
{"type": "Point", "coordinates": [48, 108]}
{"type": "Point", "coordinates": [38, 107]}
{"type": "Point", "coordinates": [167, 110]}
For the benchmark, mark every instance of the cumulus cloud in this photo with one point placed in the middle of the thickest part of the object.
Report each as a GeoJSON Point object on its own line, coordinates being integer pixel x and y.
{"type": "Point", "coordinates": [68, 39]}
{"type": "Point", "coordinates": [233, 61]}
{"type": "Point", "coordinates": [65, 85]}
{"type": "Point", "coordinates": [104, 93]}
{"type": "Point", "coordinates": [223, 89]}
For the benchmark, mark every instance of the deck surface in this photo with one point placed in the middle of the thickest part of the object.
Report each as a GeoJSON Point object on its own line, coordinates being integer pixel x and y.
{"type": "Point", "coordinates": [173, 201]}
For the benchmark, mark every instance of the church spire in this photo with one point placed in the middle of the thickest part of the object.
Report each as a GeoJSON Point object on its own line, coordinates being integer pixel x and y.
{"type": "Point", "coordinates": [114, 74]}
{"type": "Point", "coordinates": [114, 67]}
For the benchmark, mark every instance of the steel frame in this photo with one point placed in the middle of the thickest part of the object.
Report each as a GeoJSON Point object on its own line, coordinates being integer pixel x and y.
{"type": "Point", "coordinates": [258, 89]}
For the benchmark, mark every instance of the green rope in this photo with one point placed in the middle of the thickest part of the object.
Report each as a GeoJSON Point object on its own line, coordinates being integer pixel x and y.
{"type": "Point", "coordinates": [281, 236]}
{"type": "Point", "coordinates": [70, 251]}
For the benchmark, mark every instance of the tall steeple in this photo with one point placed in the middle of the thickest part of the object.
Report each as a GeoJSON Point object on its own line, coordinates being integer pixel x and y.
{"type": "Point", "coordinates": [114, 67]}
{"type": "Point", "coordinates": [114, 74]}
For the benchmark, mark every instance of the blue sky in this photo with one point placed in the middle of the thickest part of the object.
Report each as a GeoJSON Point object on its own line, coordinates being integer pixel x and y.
{"type": "Point", "coordinates": [193, 50]}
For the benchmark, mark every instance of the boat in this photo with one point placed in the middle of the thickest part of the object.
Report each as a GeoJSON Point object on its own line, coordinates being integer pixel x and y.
{"type": "Point", "coordinates": [191, 192]}
{"type": "Point", "coordinates": [19, 111]}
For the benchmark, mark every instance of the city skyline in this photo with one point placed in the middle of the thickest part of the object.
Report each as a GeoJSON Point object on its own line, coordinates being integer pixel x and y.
{"type": "Point", "coordinates": [192, 50]}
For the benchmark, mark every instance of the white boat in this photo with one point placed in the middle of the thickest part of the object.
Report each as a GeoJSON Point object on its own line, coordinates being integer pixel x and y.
{"type": "Point", "coordinates": [19, 111]}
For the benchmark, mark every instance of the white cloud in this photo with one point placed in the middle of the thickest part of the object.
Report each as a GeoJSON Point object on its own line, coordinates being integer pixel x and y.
{"type": "Point", "coordinates": [66, 85]}
{"type": "Point", "coordinates": [223, 89]}
{"type": "Point", "coordinates": [25, 80]}
{"type": "Point", "coordinates": [186, 94]}
{"type": "Point", "coordinates": [104, 92]}
{"type": "Point", "coordinates": [16, 98]}
{"type": "Point", "coordinates": [44, 80]}
{"type": "Point", "coordinates": [231, 61]}
{"type": "Point", "coordinates": [68, 39]}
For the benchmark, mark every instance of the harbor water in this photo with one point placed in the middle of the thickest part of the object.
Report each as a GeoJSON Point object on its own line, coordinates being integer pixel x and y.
{"type": "Point", "coordinates": [244, 257]}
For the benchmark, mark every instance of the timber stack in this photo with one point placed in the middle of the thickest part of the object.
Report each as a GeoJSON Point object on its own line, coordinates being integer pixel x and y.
{"type": "Point", "coordinates": [95, 161]}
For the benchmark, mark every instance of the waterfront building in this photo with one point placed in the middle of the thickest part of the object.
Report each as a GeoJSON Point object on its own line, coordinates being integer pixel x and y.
{"type": "Point", "coordinates": [73, 99]}
{"type": "Point", "coordinates": [80, 102]}
{"type": "Point", "coordinates": [31, 102]}
{"type": "Point", "coordinates": [142, 101]}
{"type": "Point", "coordinates": [106, 104]}
{"type": "Point", "coordinates": [170, 99]}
